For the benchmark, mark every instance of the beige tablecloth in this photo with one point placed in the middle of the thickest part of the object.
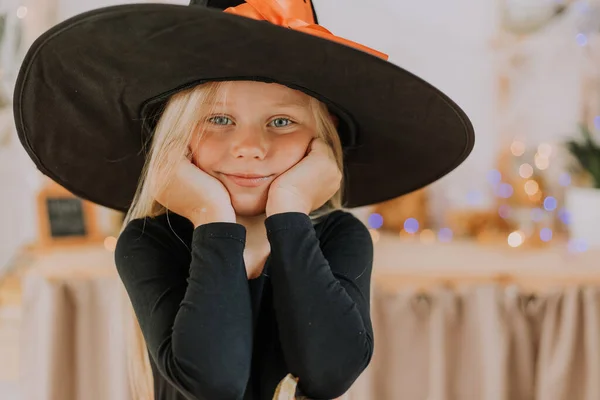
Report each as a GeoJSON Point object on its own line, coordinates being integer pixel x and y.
{"type": "Point", "coordinates": [452, 322]}
{"type": "Point", "coordinates": [73, 342]}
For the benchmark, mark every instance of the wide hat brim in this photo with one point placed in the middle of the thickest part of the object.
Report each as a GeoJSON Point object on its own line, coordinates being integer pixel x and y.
{"type": "Point", "coordinates": [89, 85]}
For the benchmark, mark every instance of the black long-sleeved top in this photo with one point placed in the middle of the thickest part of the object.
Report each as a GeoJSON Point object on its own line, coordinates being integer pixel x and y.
{"type": "Point", "coordinates": [213, 334]}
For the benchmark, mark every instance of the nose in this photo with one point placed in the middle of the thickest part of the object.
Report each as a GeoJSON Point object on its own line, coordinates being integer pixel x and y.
{"type": "Point", "coordinates": [248, 143]}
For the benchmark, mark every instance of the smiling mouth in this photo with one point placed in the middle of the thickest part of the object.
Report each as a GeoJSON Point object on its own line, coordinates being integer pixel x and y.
{"type": "Point", "coordinates": [248, 180]}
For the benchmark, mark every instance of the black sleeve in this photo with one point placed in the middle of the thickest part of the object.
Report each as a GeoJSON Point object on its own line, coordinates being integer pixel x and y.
{"type": "Point", "coordinates": [199, 331]}
{"type": "Point", "coordinates": [321, 294]}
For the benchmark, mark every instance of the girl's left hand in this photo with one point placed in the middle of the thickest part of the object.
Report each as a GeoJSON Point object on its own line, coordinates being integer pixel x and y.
{"type": "Point", "coordinates": [307, 185]}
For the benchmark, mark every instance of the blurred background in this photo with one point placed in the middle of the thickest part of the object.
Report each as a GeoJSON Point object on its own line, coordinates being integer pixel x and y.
{"type": "Point", "coordinates": [486, 284]}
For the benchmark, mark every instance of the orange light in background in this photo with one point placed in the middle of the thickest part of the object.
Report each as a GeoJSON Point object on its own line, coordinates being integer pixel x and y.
{"type": "Point", "coordinates": [374, 235]}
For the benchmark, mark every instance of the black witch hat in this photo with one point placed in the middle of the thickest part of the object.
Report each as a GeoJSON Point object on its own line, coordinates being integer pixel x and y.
{"type": "Point", "coordinates": [90, 86]}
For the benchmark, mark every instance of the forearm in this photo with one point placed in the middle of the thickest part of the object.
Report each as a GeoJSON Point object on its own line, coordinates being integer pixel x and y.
{"type": "Point", "coordinates": [193, 309]}
{"type": "Point", "coordinates": [325, 337]}
{"type": "Point", "coordinates": [212, 334]}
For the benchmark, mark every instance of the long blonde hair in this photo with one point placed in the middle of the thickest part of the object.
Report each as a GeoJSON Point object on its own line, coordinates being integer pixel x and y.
{"type": "Point", "coordinates": [170, 141]}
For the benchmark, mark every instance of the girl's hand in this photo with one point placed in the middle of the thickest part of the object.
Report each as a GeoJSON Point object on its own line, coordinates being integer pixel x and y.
{"type": "Point", "coordinates": [307, 185]}
{"type": "Point", "coordinates": [194, 194]}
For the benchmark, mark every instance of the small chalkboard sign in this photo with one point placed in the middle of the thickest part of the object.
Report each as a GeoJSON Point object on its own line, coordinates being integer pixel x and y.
{"type": "Point", "coordinates": [65, 219]}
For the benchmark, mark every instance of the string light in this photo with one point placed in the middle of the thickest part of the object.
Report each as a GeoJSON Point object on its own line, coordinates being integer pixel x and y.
{"type": "Point", "coordinates": [546, 234]}
{"type": "Point", "coordinates": [531, 187]}
{"type": "Point", "coordinates": [577, 245]}
{"type": "Point", "coordinates": [550, 203]}
{"type": "Point", "coordinates": [564, 179]}
{"type": "Point", "coordinates": [515, 239]}
{"type": "Point", "coordinates": [427, 236]}
{"type": "Point", "coordinates": [494, 177]}
{"type": "Point", "coordinates": [564, 216]}
{"type": "Point", "coordinates": [541, 162]}
{"type": "Point", "coordinates": [411, 225]}
{"type": "Point", "coordinates": [445, 235]}
{"type": "Point", "coordinates": [504, 211]}
{"type": "Point", "coordinates": [505, 190]}
{"type": "Point", "coordinates": [375, 221]}
{"type": "Point", "coordinates": [526, 171]}
{"type": "Point", "coordinates": [517, 148]}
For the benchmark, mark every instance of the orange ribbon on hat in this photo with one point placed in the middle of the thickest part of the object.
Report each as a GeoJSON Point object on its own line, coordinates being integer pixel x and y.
{"type": "Point", "coordinates": [291, 17]}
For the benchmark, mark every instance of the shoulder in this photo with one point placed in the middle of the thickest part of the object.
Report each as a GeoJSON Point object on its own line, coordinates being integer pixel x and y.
{"type": "Point", "coordinates": [341, 222]}
{"type": "Point", "coordinates": [163, 233]}
{"type": "Point", "coordinates": [341, 225]}
{"type": "Point", "coordinates": [347, 244]}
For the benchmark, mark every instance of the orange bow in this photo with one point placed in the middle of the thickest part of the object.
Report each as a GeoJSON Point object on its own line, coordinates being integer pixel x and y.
{"type": "Point", "coordinates": [273, 12]}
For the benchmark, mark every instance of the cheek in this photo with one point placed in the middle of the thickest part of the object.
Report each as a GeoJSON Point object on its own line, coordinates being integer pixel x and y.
{"type": "Point", "coordinates": [205, 155]}
{"type": "Point", "coordinates": [290, 152]}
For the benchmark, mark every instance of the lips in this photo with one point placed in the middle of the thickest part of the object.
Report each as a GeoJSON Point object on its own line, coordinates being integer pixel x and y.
{"type": "Point", "coordinates": [248, 180]}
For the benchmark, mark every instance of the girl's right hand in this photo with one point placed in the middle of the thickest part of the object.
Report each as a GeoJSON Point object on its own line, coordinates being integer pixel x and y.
{"type": "Point", "coordinates": [195, 195]}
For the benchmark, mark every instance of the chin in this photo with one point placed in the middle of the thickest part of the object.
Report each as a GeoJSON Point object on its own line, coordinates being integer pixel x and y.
{"type": "Point", "coordinates": [249, 206]}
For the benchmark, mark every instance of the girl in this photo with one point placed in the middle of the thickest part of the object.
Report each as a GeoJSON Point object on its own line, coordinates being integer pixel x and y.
{"type": "Point", "coordinates": [232, 283]}
{"type": "Point", "coordinates": [232, 133]}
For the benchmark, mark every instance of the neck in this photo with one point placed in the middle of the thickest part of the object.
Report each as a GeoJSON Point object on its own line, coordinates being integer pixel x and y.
{"type": "Point", "coordinates": [256, 233]}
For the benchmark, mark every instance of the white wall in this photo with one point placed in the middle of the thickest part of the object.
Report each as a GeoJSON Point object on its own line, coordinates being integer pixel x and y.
{"type": "Point", "coordinates": [446, 43]}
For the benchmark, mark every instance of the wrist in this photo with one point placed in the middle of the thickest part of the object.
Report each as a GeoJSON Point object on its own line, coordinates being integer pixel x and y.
{"type": "Point", "coordinates": [206, 216]}
{"type": "Point", "coordinates": [283, 205]}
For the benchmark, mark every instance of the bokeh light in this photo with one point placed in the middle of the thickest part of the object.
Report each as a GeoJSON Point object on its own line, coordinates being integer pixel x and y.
{"type": "Point", "coordinates": [504, 190]}
{"type": "Point", "coordinates": [445, 235]}
{"type": "Point", "coordinates": [504, 211]}
{"type": "Point", "coordinates": [375, 221]}
{"type": "Point", "coordinates": [517, 148]}
{"type": "Point", "coordinates": [515, 239]}
{"type": "Point", "coordinates": [550, 203]}
{"type": "Point", "coordinates": [427, 236]}
{"type": "Point", "coordinates": [494, 177]}
{"type": "Point", "coordinates": [577, 245]}
{"type": "Point", "coordinates": [411, 225]}
{"type": "Point", "coordinates": [546, 234]}
{"type": "Point", "coordinates": [564, 216]}
{"type": "Point", "coordinates": [541, 162]}
{"type": "Point", "coordinates": [531, 187]}
{"type": "Point", "coordinates": [110, 243]}
{"type": "Point", "coordinates": [526, 171]}
{"type": "Point", "coordinates": [564, 179]}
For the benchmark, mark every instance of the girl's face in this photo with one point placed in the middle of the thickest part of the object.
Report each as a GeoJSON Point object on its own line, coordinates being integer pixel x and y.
{"type": "Point", "coordinates": [255, 132]}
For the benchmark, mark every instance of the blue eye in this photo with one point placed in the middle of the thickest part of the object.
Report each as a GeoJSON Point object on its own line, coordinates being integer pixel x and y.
{"type": "Point", "coordinates": [220, 120]}
{"type": "Point", "coordinates": [281, 122]}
